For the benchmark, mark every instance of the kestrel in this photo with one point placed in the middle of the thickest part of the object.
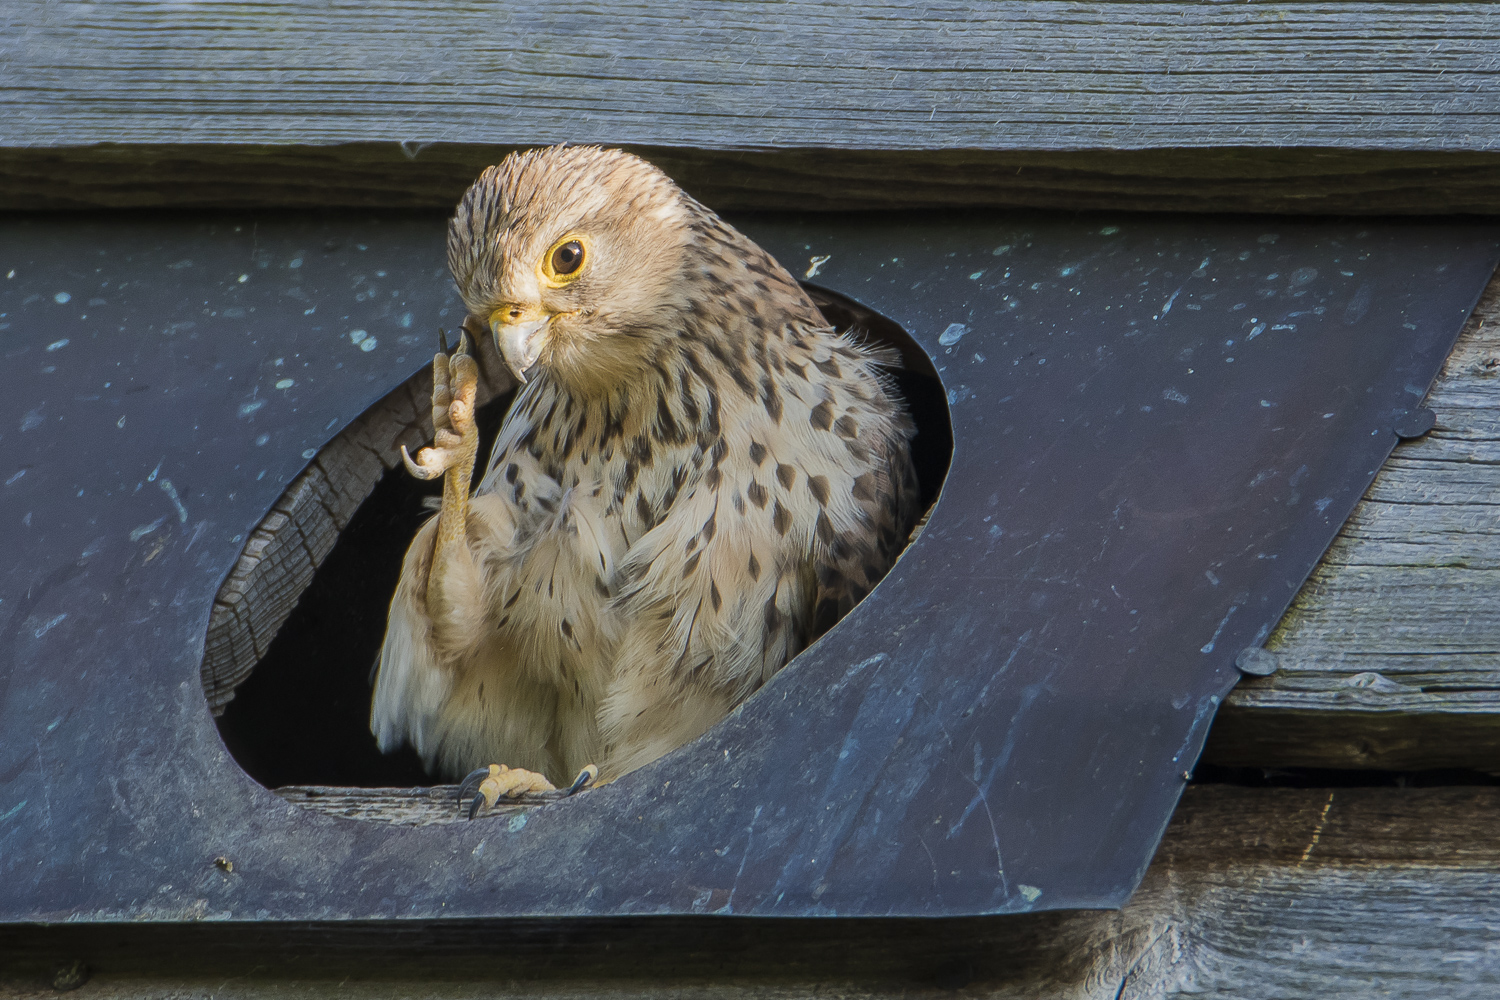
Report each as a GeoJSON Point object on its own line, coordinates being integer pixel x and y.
{"type": "Point", "coordinates": [698, 477]}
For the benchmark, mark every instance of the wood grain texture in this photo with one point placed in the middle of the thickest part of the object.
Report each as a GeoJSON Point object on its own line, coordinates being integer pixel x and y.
{"type": "Point", "coordinates": [1337, 106]}
{"type": "Point", "coordinates": [413, 806]}
{"type": "Point", "coordinates": [1254, 893]}
{"type": "Point", "coordinates": [402, 806]}
{"type": "Point", "coordinates": [382, 175]}
{"type": "Point", "coordinates": [725, 74]}
{"type": "Point", "coordinates": [1390, 655]}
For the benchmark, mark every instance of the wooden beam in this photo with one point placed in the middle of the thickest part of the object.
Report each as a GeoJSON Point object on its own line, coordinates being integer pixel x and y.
{"type": "Point", "coordinates": [1254, 893]}
{"type": "Point", "coordinates": [1338, 106]}
{"type": "Point", "coordinates": [1015, 74]}
{"type": "Point", "coordinates": [1390, 655]}
{"type": "Point", "coordinates": [381, 175]}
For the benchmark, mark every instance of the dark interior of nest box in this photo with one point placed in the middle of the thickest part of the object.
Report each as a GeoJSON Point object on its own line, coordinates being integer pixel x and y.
{"type": "Point", "coordinates": [302, 717]}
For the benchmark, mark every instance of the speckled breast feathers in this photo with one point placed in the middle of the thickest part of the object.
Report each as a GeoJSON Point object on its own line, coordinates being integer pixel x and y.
{"type": "Point", "coordinates": [698, 477]}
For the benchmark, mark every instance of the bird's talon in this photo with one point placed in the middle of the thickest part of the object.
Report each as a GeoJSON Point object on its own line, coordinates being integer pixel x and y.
{"type": "Point", "coordinates": [455, 381]}
{"type": "Point", "coordinates": [423, 467]}
{"type": "Point", "coordinates": [586, 777]}
{"type": "Point", "coordinates": [491, 784]}
{"type": "Point", "coordinates": [463, 385]}
{"type": "Point", "coordinates": [480, 785]}
{"type": "Point", "coordinates": [470, 785]}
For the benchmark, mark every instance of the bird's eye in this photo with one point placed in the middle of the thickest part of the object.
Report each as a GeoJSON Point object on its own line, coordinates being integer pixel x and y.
{"type": "Point", "coordinates": [567, 258]}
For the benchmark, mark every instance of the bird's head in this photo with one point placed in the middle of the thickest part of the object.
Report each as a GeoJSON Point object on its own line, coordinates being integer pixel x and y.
{"type": "Point", "coordinates": [573, 257]}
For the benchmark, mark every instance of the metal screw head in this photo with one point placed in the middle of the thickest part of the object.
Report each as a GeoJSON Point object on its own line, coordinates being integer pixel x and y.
{"type": "Point", "coordinates": [1414, 423]}
{"type": "Point", "coordinates": [1258, 661]}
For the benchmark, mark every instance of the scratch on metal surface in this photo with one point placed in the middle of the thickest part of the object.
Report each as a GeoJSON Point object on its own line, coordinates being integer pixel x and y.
{"type": "Point", "coordinates": [1028, 697]}
{"type": "Point", "coordinates": [994, 833]}
{"type": "Point", "coordinates": [884, 715]}
{"type": "Point", "coordinates": [1168, 307]}
{"type": "Point", "coordinates": [171, 492]}
{"type": "Point", "coordinates": [1021, 642]}
{"type": "Point", "coordinates": [138, 533]}
{"type": "Point", "coordinates": [937, 718]}
{"type": "Point", "coordinates": [46, 794]}
{"type": "Point", "coordinates": [1205, 709]}
{"type": "Point", "coordinates": [49, 625]}
{"type": "Point", "coordinates": [197, 534]}
{"type": "Point", "coordinates": [921, 840]}
{"type": "Point", "coordinates": [745, 856]}
{"type": "Point", "coordinates": [1208, 647]}
{"type": "Point", "coordinates": [855, 670]}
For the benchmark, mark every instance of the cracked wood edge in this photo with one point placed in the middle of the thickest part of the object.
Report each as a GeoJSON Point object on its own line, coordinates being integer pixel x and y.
{"type": "Point", "coordinates": [278, 560]}
{"type": "Point", "coordinates": [1254, 894]}
{"type": "Point", "coordinates": [1155, 105]}
{"type": "Point", "coordinates": [1390, 653]}
{"type": "Point", "coordinates": [419, 806]}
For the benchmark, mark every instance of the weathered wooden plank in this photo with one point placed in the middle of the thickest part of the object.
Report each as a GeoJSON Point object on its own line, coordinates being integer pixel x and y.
{"type": "Point", "coordinates": [417, 806]}
{"type": "Point", "coordinates": [383, 175]}
{"type": "Point", "coordinates": [1332, 106]}
{"type": "Point", "coordinates": [1016, 74]}
{"type": "Point", "coordinates": [1255, 893]}
{"type": "Point", "coordinates": [1390, 655]}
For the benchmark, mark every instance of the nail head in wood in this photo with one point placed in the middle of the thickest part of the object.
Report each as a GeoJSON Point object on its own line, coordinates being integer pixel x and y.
{"type": "Point", "coordinates": [1415, 423]}
{"type": "Point", "coordinates": [1257, 660]}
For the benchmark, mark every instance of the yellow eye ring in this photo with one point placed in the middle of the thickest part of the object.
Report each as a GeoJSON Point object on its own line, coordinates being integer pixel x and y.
{"type": "Point", "coordinates": [565, 260]}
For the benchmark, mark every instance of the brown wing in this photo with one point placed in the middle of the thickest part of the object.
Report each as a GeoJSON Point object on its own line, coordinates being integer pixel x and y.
{"type": "Point", "coordinates": [853, 562]}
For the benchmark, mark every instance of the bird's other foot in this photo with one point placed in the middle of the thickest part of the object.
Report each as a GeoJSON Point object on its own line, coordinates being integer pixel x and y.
{"type": "Point", "coordinates": [489, 785]}
{"type": "Point", "coordinates": [455, 381]}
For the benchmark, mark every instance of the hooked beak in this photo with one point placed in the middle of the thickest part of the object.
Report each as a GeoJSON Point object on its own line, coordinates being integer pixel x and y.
{"type": "Point", "coordinates": [520, 336]}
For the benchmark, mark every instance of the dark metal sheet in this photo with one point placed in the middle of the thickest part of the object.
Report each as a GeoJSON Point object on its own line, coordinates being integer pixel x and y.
{"type": "Point", "coordinates": [1159, 425]}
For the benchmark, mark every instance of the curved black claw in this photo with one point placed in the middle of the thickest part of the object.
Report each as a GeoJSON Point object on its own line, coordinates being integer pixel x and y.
{"type": "Point", "coordinates": [469, 789]}
{"type": "Point", "coordinates": [443, 341]}
{"type": "Point", "coordinates": [585, 778]}
{"type": "Point", "coordinates": [470, 784]}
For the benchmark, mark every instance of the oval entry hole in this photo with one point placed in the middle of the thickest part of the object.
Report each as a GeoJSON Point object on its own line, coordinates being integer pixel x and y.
{"type": "Point", "coordinates": [298, 624]}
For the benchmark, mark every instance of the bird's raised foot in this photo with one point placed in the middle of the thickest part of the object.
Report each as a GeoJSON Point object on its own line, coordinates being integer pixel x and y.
{"type": "Point", "coordinates": [455, 382]}
{"type": "Point", "coordinates": [488, 785]}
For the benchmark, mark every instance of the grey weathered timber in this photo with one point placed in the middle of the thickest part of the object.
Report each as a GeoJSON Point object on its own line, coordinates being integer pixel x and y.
{"type": "Point", "coordinates": [1390, 656]}
{"type": "Point", "coordinates": [383, 175]}
{"type": "Point", "coordinates": [1310, 106]}
{"type": "Point", "coordinates": [419, 806]}
{"type": "Point", "coordinates": [1015, 74]}
{"type": "Point", "coordinates": [1254, 893]}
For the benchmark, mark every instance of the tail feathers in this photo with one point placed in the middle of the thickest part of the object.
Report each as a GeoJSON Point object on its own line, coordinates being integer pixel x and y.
{"type": "Point", "coordinates": [411, 685]}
